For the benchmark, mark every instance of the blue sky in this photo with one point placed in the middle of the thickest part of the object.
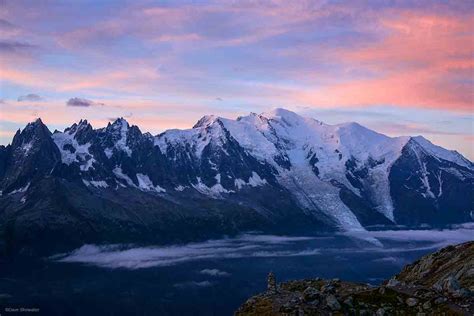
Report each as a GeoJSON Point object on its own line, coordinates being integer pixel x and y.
{"type": "Point", "coordinates": [401, 68]}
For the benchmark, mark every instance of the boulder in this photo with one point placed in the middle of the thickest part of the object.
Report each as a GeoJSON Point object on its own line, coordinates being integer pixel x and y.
{"type": "Point", "coordinates": [349, 301]}
{"type": "Point", "coordinates": [333, 303]}
{"type": "Point", "coordinates": [393, 282]}
{"type": "Point", "coordinates": [411, 301]}
{"type": "Point", "coordinates": [310, 294]}
{"type": "Point", "coordinates": [427, 305]}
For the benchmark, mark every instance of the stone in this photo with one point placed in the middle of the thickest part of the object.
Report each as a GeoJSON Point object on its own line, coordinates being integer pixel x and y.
{"type": "Point", "coordinates": [310, 294]}
{"type": "Point", "coordinates": [426, 305]}
{"type": "Point", "coordinates": [363, 312]}
{"type": "Point", "coordinates": [286, 308]}
{"type": "Point", "coordinates": [411, 301]}
{"type": "Point", "coordinates": [380, 312]}
{"type": "Point", "coordinates": [451, 285]}
{"type": "Point", "coordinates": [437, 287]}
{"type": "Point", "coordinates": [393, 283]}
{"type": "Point", "coordinates": [440, 300]}
{"type": "Point", "coordinates": [333, 303]}
{"type": "Point", "coordinates": [461, 293]}
{"type": "Point", "coordinates": [314, 302]}
{"type": "Point", "coordinates": [382, 290]}
{"type": "Point", "coordinates": [327, 288]}
{"type": "Point", "coordinates": [349, 301]}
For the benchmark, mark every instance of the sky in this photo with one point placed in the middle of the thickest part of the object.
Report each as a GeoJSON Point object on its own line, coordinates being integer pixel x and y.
{"type": "Point", "coordinates": [398, 67]}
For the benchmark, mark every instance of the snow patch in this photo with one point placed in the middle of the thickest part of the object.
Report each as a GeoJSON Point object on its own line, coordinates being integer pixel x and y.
{"type": "Point", "coordinates": [81, 153]}
{"type": "Point", "coordinates": [97, 184]}
{"type": "Point", "coordinates": [253, 181]}
{"type": "Point", "coordinates": [440, 182]}
{"type": "Point", "coordinates": [214, 191]}
{"type": "Point", "coordinates": [145, 184]}
{"type": "Point", "coordinates": [239, 183]}
{"type": "Point", "coordinates": [180, 188]}
{"type": "Point", "coordinates": [108, 152]}
{"type": "Point", "coordinates": [26, 147]}
{"type": "Point", "coordinates": [256, 181]}
{"type": "Point", "coordinates": [21, 190]}
{"type": "Point", "coordinates": [119, 174]}
{"type": "Point", "coordinates": [121, 144]}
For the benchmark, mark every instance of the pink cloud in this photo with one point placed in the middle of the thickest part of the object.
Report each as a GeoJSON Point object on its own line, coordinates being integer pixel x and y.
{"type": "Point", "coordinates": [423, 61]}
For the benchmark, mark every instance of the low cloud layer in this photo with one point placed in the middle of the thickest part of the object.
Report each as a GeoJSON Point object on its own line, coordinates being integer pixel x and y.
{"type": "Point", "coordinates": [118, 256]}
{"type": "Point", "coordinates": [266, 246]}
{"type": "Point", "coordinates": [192, 284]}
{"type": "Point", "coordinates": [214, 272]}
{"type": "Point", "coordinates": [440, 238]}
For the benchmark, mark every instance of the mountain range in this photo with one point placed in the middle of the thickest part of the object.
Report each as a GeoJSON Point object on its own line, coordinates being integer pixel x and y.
{"type": "Point", "coordinates": [275, 172]}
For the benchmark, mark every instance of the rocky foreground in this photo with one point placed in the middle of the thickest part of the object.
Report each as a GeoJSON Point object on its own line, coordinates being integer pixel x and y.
{"type": "Point", "coordinates": [441, 283]}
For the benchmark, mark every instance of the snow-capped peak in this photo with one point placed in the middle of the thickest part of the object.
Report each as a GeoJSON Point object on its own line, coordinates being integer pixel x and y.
{"type": "Point", "coordinates": [206, 121]}
{"type": "Point", "coordinates": [440, 152]}
{"type": "Point", "coordinates": [281, 113]}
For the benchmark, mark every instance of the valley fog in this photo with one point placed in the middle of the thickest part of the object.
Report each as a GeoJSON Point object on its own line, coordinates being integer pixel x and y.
{"type": "Point", "coordinates": [212, 277]}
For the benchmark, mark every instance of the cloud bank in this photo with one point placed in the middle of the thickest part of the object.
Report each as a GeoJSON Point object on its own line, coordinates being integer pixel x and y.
{"type": "Point", "coordinates": [119, 256]}
{"type": "Point", "coordinates": [265, 246]}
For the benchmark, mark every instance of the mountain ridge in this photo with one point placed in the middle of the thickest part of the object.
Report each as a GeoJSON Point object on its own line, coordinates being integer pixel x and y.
{"type": "Point", "coordinates": [277, 171]}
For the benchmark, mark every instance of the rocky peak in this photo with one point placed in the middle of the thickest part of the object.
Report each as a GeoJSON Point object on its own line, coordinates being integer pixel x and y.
{"type": "Point", "coordinates": [120, 125]}
{"type": "Point", "coordinates": [33, 132]}
{"type": "Point", "coordinates": [33, 153]}
{"type": "Point", "coordinates": [82, 131]}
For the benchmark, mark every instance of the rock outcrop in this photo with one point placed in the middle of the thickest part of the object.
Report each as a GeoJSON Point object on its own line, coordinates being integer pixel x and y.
{"type": "Point", "coordinates": [441, 283]}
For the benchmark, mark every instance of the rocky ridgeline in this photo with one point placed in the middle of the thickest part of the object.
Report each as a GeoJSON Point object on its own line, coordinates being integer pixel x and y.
{"type": "Point", "coordinates": [441, 283]}
{"type": "Point", "coordinates": [277, 173]}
